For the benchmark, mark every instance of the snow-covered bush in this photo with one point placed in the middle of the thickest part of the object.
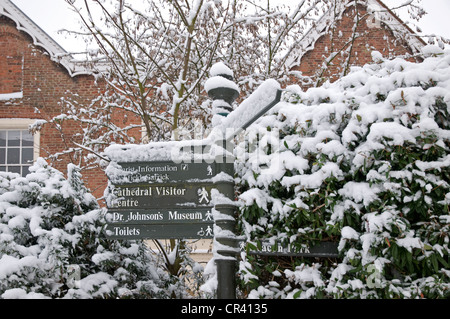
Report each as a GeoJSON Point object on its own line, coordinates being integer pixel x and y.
{"type": "Point", "coordinates": [363, 162]}
{"type": "Point", "coordinates": [52, 244]}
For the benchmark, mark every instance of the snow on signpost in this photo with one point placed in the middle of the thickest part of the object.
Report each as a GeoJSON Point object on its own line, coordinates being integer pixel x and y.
{"type": "Point", "coordinates": [267, 95]}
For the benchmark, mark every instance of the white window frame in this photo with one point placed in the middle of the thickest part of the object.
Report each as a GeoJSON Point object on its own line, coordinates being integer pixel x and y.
{"type": "Point", "coordinates": [11, 124]}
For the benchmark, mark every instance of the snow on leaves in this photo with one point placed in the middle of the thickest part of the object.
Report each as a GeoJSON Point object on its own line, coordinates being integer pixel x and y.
{"type": "Point", "coordinates": [364, 162]}
{"type": "Point", "coordinates": [49, 224]}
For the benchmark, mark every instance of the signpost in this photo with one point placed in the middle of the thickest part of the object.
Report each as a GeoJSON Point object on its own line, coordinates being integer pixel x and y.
{"type": "Point", "coordinates": [164, 200]}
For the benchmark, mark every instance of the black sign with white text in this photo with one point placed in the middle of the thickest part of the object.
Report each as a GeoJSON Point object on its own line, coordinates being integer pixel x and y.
{"type": "Point", "coordinates": [163, 200]}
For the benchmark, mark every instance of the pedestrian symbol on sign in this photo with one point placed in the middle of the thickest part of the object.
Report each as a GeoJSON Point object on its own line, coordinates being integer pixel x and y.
{"type": "Point", "coordinates": [209, 170]}
{"type": "Point", "coordinates": [208, 216]}
{"type": "Point", "coordinates": [203, 194]}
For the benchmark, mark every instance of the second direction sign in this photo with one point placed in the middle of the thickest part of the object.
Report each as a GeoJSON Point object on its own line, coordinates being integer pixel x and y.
{"type": "Point", "coordinates": [164, 200]}
{"type": "Point", "coordinates": [158, 216]}
{"type": "Point", "coordinates": [161, 196]}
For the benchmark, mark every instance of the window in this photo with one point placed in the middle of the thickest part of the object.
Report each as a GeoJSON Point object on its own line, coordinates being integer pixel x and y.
{"type": "Point", "coordinates": [18, 147]}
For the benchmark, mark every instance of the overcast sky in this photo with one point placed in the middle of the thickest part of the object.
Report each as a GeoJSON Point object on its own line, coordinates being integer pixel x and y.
{"type": "Point", "coordinates": [54, 15]}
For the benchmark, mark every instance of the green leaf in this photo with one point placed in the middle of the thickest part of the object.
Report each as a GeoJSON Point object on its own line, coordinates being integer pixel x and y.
{"type": "Point", "coordinates": [434, 262]}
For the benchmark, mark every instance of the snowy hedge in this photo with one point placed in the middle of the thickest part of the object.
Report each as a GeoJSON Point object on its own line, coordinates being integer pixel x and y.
{"type": "Point", "coordinates": [52, 244]}
{"type": "Point", "coordinates": [363, 162]}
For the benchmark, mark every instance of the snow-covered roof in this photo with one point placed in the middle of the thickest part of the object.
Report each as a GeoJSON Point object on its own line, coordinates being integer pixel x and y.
{"type": "Point", "coordinates": [381, 12]}
{"type": "Point", "coordinates": [42, 39]}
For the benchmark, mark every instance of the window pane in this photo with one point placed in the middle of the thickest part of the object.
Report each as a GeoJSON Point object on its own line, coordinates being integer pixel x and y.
{"type": "Point", "coordinates": [2, 155]}
{"type": "Point", "coordinates": [27, 155]}
{"type": "Point", "coordinates": [13, 156]}
{"type": "Point", "coordinates": [27, 138]}
{"type": "Point", "coordinates": [25, 170]}
{"type": "Point", "coordinates": [13, 138]}
{"type": "Point", "coordinates": [2, 138]}
{"type": "Point", "coordinates": [2, 168]}
{"type": "Point", "coordinates": [14, 169]}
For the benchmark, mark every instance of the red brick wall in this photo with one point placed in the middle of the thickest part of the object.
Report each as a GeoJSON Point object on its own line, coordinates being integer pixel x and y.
{"type": "Point", "coordinates": [371, 38]}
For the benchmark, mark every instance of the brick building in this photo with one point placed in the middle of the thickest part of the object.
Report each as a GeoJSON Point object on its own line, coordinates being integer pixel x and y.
{"type": "Point", "coordinates": [36, 73]}
{"type": "Point", "coordinates": [347, 36]}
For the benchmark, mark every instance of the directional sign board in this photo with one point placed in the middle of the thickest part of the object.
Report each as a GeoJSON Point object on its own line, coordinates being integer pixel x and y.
{"type": "Point", "coordinates": [265, 248]}
{"type": "Point", "coordinates": [158, 216]}
{"type": "Point", "coordinates": [169, 172]}
{"type": "Point", "coordinates": [163, 200]}
{"type": "Point", "coordinates": [161, 223]}
{"type": "Point", "coordinates": [162, 195]}
{"type": "Point", "coordinates": [161, 231]}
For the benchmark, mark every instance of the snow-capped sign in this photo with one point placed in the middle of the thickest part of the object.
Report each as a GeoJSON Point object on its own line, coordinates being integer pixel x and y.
{"type": "Point", "coordinates": [156, 216]}
{"type": "Point", "coordinates": [265, 97]}
{"type": "Point", "coordinates": [164, 199]}
{"type": "Point", "coordinates": [146, 196]}
{"type": "Point", "coordinates": [166, 171]}
{"type": "Point", "coordinates": [265, 248]}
